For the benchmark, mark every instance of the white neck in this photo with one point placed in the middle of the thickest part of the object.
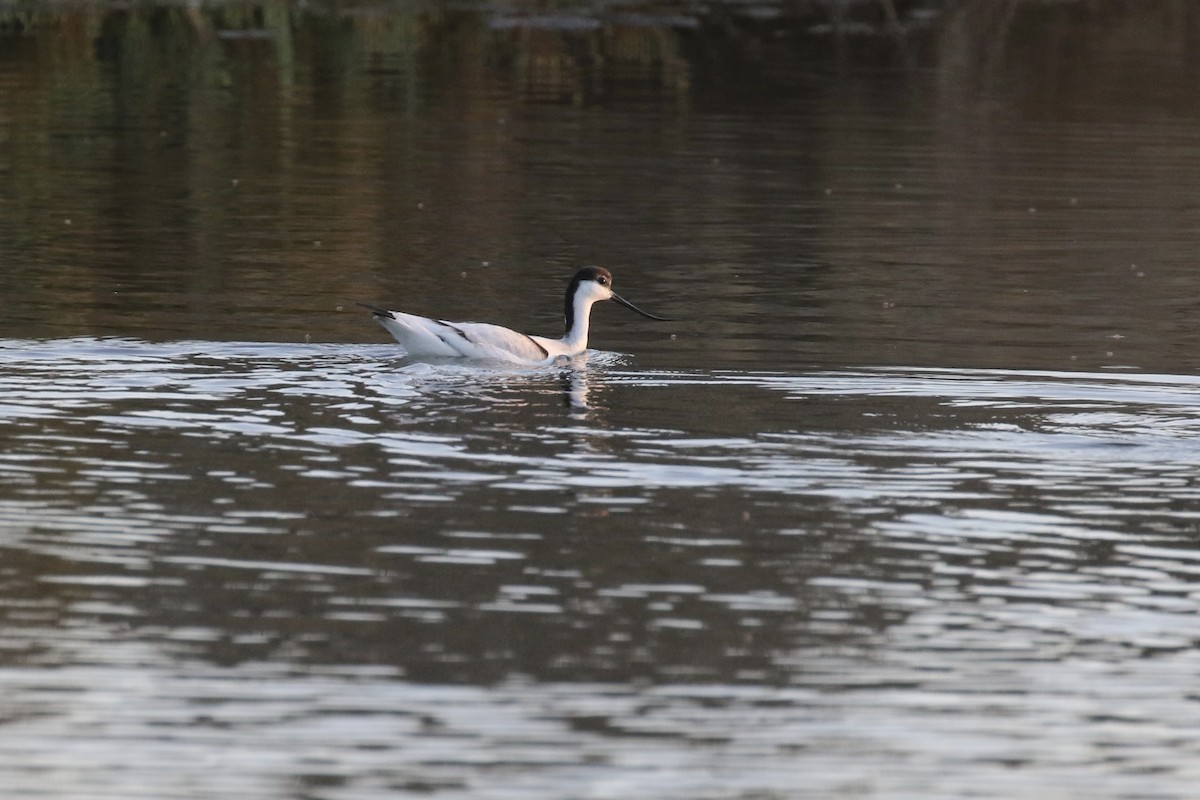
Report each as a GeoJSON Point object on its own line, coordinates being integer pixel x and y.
{"type": "Point", "coordinates": [576, 338]}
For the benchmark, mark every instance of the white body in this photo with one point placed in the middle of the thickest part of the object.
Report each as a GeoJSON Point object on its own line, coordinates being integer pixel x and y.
{"type": "Point", "coordinates": [423, 337]}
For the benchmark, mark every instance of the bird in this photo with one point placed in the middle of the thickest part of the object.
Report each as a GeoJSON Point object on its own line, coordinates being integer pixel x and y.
{"type": "Point", "coordinates": [424, 337]}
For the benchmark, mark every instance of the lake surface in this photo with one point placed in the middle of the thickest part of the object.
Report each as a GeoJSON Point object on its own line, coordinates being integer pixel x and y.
{"type": "Point", "coordinates": [905, 504]}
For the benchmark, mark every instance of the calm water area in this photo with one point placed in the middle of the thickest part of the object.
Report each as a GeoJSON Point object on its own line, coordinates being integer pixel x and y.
{"type": "Point", "coordinates": [905, 503]}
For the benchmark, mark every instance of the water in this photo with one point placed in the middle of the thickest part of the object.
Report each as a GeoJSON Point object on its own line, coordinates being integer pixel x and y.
{"type": "Point", "coordinates": [904, 505]}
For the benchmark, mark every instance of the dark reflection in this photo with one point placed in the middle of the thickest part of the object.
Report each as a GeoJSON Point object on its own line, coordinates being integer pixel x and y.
{"type": "Point", "coordinates": [249, 170]}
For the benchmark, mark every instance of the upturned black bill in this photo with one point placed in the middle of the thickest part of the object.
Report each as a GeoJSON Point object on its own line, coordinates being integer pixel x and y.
{"type": "Point", "coordinates": [632, 307]}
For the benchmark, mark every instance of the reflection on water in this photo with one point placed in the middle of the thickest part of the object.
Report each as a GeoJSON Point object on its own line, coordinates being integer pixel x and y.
{"type": "Point", "coordinates": [331, 568]}
{"type": "Point", "coordinates": [904, 505]}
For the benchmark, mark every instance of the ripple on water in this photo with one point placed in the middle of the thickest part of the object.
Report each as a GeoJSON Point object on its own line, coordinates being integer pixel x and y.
{"type": "Point", "coordinates": [317, 560]}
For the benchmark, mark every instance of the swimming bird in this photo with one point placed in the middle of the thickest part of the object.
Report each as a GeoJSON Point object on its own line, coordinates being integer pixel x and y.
{"type": "Point", "coordinates": [424, 337]}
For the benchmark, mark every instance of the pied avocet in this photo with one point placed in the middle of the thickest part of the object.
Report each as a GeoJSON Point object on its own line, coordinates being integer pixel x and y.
{"type": "Point", "coordinates": [423, 337]}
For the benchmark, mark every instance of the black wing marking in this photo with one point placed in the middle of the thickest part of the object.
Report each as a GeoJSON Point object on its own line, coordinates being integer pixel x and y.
{"type": "Point", "coordinates": [456, 329]}
{"type": "Point", "coordinates": [545, 352]}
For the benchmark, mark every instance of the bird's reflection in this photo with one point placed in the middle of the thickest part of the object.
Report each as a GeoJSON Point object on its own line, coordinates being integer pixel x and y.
{"type": "Point", "coordinates": [576, 379]}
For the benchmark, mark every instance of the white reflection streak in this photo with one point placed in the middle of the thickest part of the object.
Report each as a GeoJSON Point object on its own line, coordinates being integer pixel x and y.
{"type": "Point", "coordinates": [577, 387]}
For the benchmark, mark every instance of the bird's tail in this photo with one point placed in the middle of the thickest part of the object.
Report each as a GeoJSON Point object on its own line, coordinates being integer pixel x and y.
{"type": "Point", "coordinates": [377, 311]}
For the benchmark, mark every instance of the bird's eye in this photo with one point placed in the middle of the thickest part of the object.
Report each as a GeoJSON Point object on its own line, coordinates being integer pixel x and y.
{"type": "Point", "coordinates": [602, 280]}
